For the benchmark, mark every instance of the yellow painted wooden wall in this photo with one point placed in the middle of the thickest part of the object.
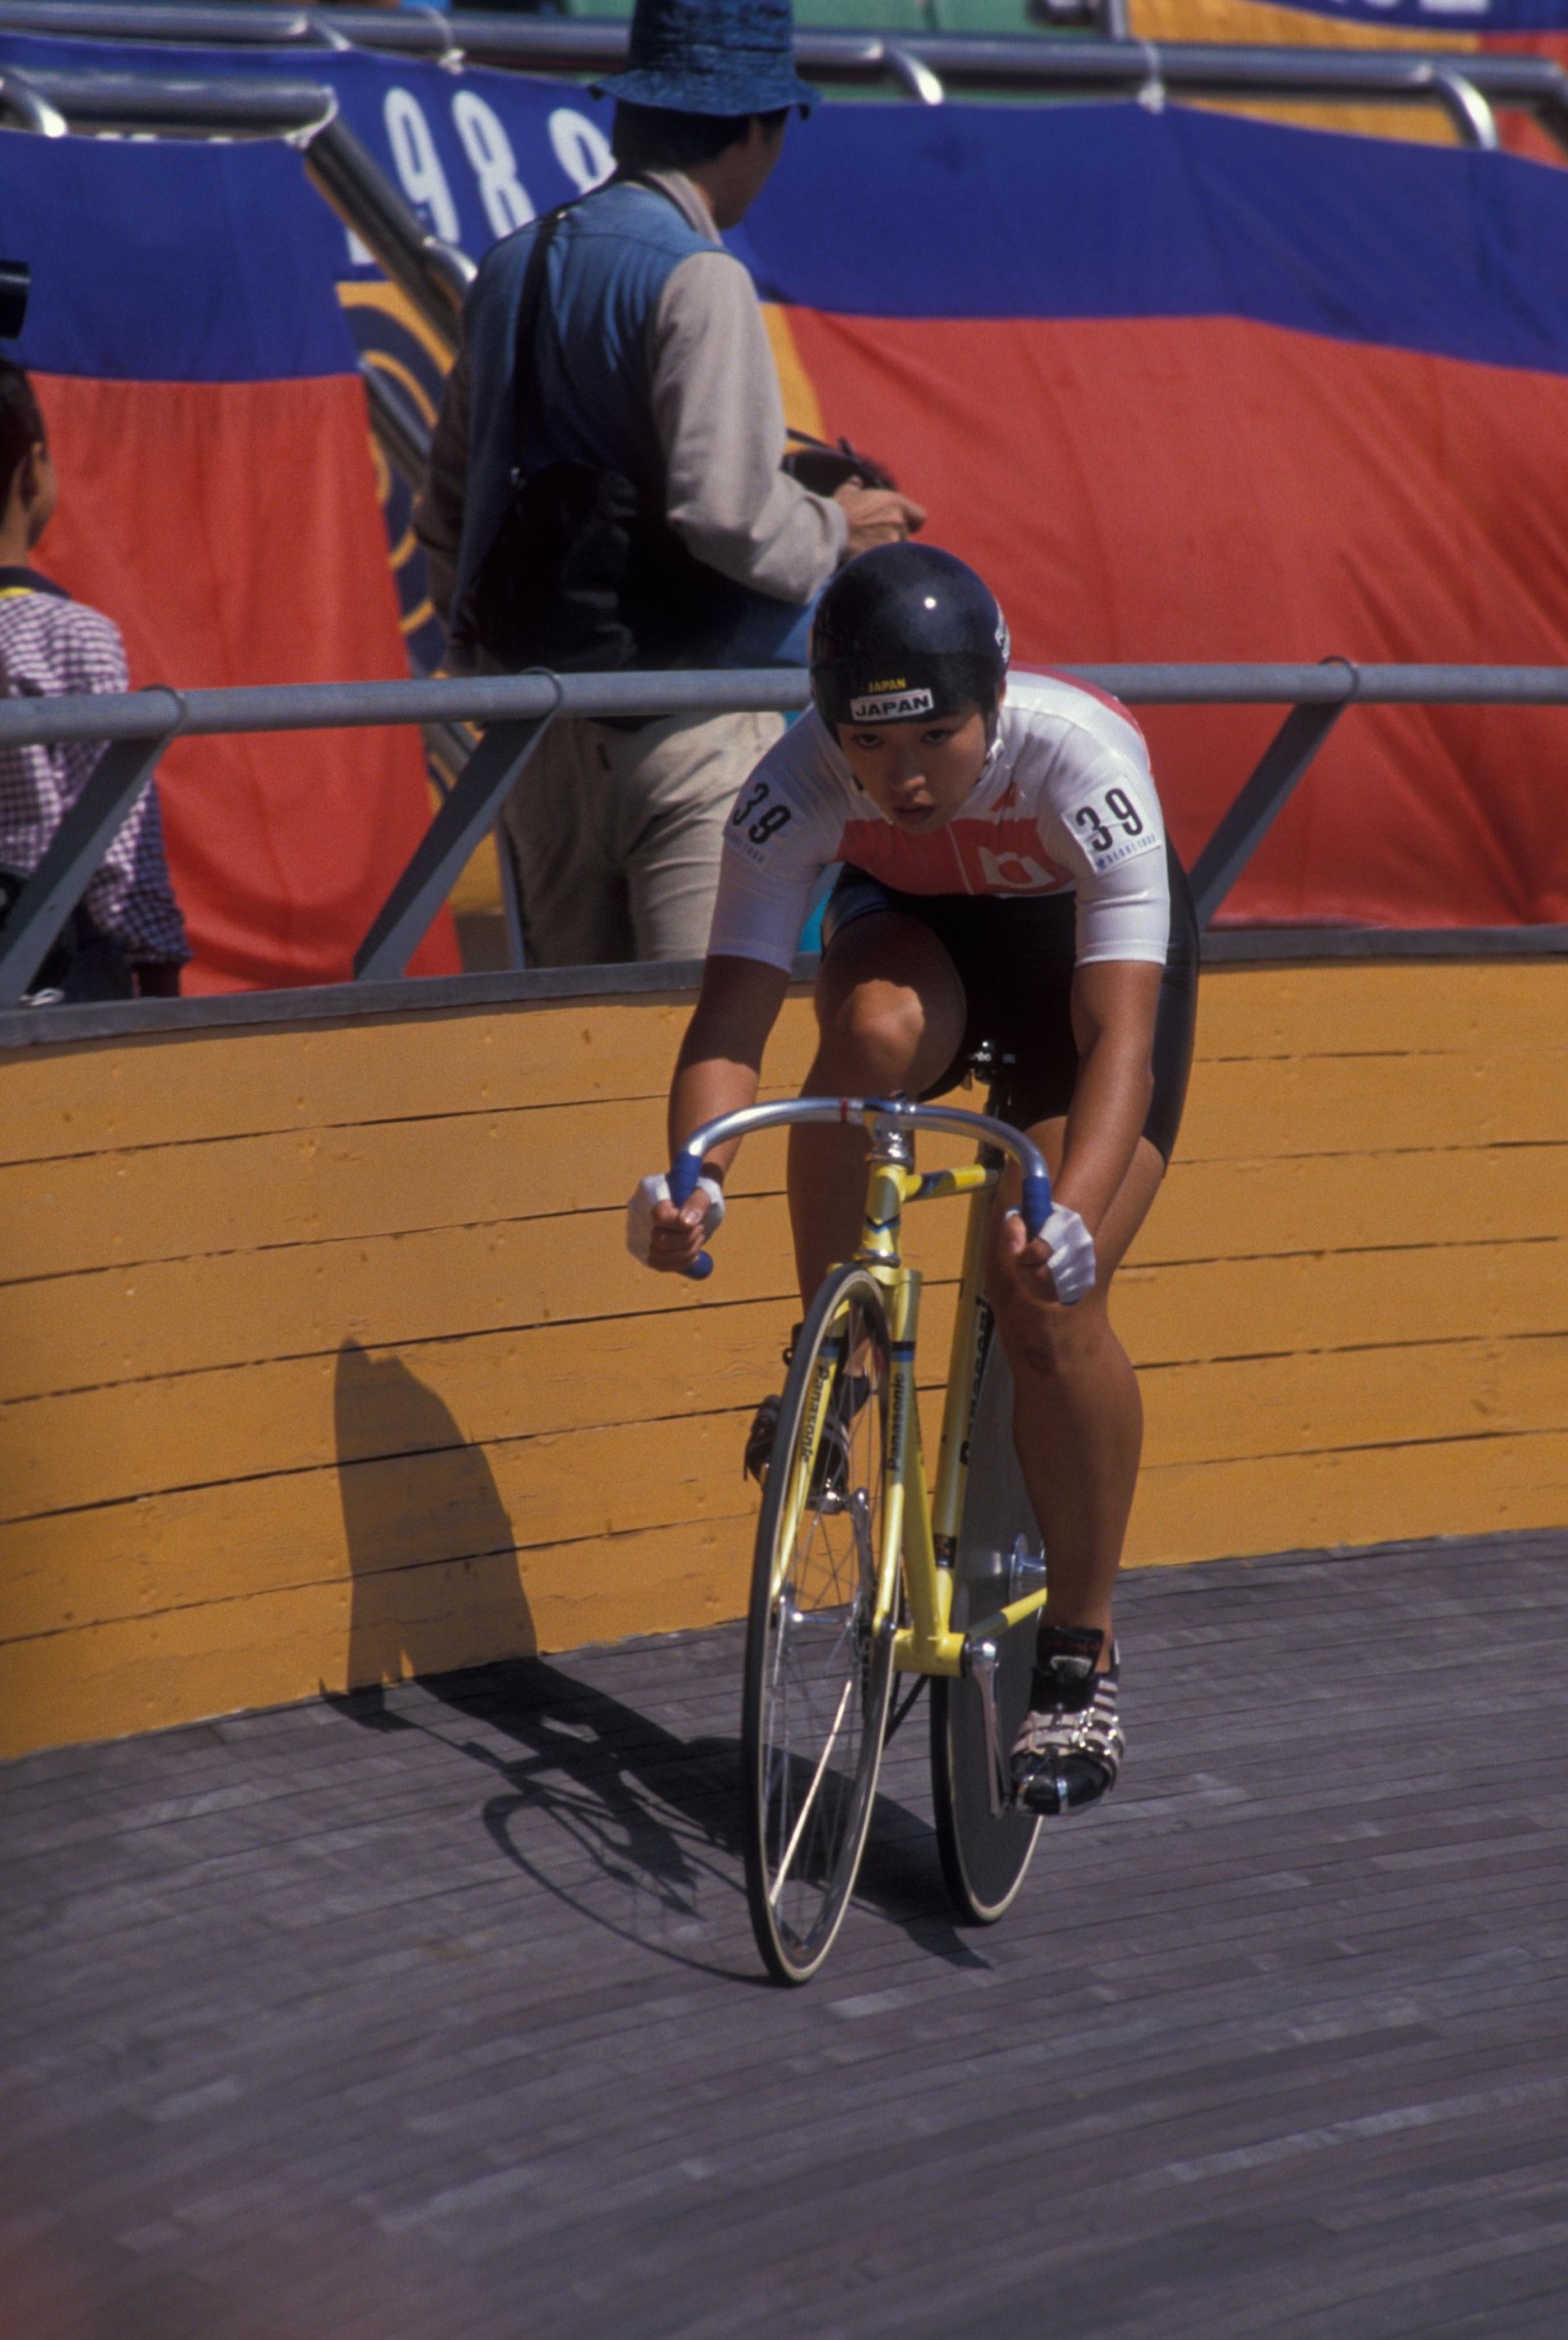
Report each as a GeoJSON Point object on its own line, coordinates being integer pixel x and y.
{"type": "Point", "coordinates": [322, 1361]}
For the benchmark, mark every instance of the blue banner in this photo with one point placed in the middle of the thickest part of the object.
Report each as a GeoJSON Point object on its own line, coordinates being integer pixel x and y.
{"type": "Point", "coordinates": [476, 152]}
{"type": "Point", "coordinates": [126, 287]}
{"type": "Point", "coordinates": [1475, 17]}
{"type": "Point", "coordinates": [936, 212]}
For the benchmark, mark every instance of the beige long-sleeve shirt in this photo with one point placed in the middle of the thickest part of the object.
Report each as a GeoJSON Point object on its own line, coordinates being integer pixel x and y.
{"type": "Point", "coordinates": [720, 419]}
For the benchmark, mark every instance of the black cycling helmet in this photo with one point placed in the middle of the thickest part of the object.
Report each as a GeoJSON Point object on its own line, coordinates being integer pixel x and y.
{"type": "Point", "coordinates": [903, 631]}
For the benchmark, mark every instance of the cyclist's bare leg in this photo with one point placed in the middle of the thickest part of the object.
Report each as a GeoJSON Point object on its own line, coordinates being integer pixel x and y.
{"type": "Point", "coordinates": [890, 1014]}
{"type": "Point", "coordinates": [1078, 1419]}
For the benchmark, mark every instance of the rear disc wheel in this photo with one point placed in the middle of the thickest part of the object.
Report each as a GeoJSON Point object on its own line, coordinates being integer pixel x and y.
{"type": "Point", "coordinates": [984, 1854]}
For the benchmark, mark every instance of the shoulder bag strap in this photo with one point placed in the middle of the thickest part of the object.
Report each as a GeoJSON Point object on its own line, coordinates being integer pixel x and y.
{"type": "Point", "coordinates": [529, 303]}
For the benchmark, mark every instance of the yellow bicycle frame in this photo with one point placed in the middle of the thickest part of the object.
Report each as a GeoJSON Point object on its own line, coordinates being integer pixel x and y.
{"type": "Point", "coordinates": [921, 1535]}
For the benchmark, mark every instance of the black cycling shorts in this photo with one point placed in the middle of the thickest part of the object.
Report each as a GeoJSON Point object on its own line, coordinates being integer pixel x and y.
{"type": "Point", "coordinates": [1015, 956]}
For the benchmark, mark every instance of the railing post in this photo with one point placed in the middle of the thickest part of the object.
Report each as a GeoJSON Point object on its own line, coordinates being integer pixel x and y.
{"type": "Point", "coordinates": [1264, 796]}
{"type": "Point", "coordinates": [76, 850]}
{"type": "Point", "coordinates": [475, 803]}
{"type": "Point", "coordinates": [512, 903]}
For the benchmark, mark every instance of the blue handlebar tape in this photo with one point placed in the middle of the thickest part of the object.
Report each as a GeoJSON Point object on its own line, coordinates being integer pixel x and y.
{"type": "Point", "coordinates": [1036, 1201]}
{"type": "Point", "coordinates": [683, 1176]}
{"type": "Point", "coordinates": [685, 1173]}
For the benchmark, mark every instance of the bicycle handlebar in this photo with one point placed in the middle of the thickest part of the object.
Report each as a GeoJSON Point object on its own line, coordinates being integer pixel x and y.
{"type": "Point", "coordinates": [686, 1168]}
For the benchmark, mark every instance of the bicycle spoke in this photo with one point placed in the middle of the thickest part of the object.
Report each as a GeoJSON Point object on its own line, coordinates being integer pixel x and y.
{"type": "Point", "coordinates": [806, 1809]}
{"type": "Point", "coordinates": [818, 1679]}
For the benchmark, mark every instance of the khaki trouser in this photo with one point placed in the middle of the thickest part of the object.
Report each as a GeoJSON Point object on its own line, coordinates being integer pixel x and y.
{"type": "Point", "coordinates": [617, 833]}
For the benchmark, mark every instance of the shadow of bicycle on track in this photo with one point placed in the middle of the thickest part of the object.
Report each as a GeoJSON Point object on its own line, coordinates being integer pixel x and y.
{"type": "Point", "coordinates": [616, 1817]}
{"type": "Point", "coordinates": [638, 1829]}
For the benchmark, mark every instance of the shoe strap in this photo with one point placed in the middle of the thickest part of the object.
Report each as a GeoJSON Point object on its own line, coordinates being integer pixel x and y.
{"type": "Point", "coordinates": [1079, 1645]}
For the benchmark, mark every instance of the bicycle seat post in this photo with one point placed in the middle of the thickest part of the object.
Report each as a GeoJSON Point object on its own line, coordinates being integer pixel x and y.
{"type": "Point", "coordinates": [990, 1065]}
{"type": "Point", "coordinates": [891, 1142]}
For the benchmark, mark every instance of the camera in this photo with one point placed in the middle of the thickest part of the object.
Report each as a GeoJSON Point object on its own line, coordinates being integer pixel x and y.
{"type": "Point", "coordinates": [16, 280]}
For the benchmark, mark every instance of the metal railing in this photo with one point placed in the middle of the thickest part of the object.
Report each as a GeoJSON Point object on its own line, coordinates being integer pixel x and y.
{"type": "Point", "coordinates": [55, 101]}
{"type": "Point", "coordinates": [513, 711]}
{"type": "Point", "coordinates": [925, 66]}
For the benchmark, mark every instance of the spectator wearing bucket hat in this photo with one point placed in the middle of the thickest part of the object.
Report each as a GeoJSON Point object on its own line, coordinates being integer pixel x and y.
{"type": "Point", "coordinates": [614, 412]}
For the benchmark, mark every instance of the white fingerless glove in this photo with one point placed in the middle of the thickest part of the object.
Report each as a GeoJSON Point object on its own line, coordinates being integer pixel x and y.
{"type": "Point", "coordinates": [1072, 1254]}
{"type": "Point", "coordinates": [640, 1212]}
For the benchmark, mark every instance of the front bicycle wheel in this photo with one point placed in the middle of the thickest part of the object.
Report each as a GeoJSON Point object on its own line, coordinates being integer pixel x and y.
{"type": "Point", "coordinates": [818, 1663]}
{"type": "Point", "coordinates": [985, 1854]}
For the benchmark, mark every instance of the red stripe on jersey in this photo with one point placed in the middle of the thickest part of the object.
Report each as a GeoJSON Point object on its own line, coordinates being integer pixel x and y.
{"type": "Point", "coordinates": [970, 856]}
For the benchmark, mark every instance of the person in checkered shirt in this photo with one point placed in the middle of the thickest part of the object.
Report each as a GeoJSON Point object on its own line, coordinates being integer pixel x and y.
{"type": "Point", "coordinates": [50, 644]}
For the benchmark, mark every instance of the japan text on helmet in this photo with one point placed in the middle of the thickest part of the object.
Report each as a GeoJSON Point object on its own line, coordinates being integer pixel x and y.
{"type": "Point", "coordinates": [905, 631]}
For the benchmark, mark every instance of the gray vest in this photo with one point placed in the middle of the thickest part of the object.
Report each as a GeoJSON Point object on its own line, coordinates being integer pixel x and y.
{"type": "Point", "coordinates": [607, 266]}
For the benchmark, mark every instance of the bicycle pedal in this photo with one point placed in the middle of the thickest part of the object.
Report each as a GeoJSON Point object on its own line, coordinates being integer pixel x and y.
{"type": "Point", "coordinates": [981, 1663]}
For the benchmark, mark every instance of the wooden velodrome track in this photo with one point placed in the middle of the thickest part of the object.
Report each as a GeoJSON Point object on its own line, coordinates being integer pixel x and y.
{"type": "Point", "coordinates": [433, 2015]}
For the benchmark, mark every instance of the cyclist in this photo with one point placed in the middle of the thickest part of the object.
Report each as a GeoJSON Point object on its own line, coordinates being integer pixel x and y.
{"type": "Point", "coordinates": [1006, 879]}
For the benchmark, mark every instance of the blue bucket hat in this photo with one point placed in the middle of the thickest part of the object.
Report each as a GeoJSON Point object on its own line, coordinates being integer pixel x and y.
{"type": "Point", "coordinates": [711, 57]}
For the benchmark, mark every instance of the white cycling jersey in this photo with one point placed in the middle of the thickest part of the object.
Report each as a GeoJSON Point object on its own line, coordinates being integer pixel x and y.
{"type": "Point", "coordinates": [1065, 803]}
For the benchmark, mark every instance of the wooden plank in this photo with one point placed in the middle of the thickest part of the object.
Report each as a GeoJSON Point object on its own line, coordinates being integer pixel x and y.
{"type": "Point", "coordinates": [419, 1485]}
{"type": "Point", "coordinates": [1241, 1308]}
{"type": "Point", "coordinates": [1354, 1299]}
{"type": "Point", "coordinates": [182, 1315]}
{"type": "Point", "coordinates": [188, 1088]}
{"type": "Point", "coordinates": [146, 1673]}
{"type": "Point", "coordinates": [386, 1178]}
{"type": "Point", "coordinates": [183, 1086]}
{"type": "Point", "coordinates": [1269, 1205]}
{"type": "Point", "coordinates": [1352, 1398]}
{"type": "Point", "coordinates": [1468, 1007]}
{"type": "Point", "coordinates": [1463, 1486]}
{"type": "Point", "coordinates": [256, 1193]}
{"type": "Point", "coordinates": [1207, 1210]}
{"type": "Point", "coordinates": [451, 1172]}
{"type": "Point", "coordinates": [194, 1315]}
{"type": "Point", "coordinates": [435, 1493]}
{"type": "Point", "coordinates": [147, 1438]}
{"type": "Point", "coordinates": [161, 1203]}
{"type": "Point", "coordinates": [167, 1554]}
{"type": "Point", "coordinates": [1360, 1104]}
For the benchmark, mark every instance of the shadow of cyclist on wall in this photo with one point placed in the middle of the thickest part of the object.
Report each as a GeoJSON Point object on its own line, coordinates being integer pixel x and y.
{"type": "Point", "coordinates": [435, 1575]}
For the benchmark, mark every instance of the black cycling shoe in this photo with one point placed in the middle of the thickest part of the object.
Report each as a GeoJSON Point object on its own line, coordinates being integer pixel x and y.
{"type": "Point", "coordinates": [765, 1425]}
{"type": "Point", "coordinates": [1068, 1751]}
{"type": "Point", "coordinates": [760, 1440]}
{"type": "Point", "coordinates": [832, 1468]}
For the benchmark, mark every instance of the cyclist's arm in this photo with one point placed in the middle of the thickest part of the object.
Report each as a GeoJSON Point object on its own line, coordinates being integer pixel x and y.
{"type": "Point", "coordinates": [716, 1072]}
{"type": "Point", "coordinates": [778, 839]}
{"type": "Point", "coordinates": [1110, 831]}
{"type": "Point", "coordinates": [722, 1056]}
{"type": "Point", "coordinates": [1113, 1008]}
